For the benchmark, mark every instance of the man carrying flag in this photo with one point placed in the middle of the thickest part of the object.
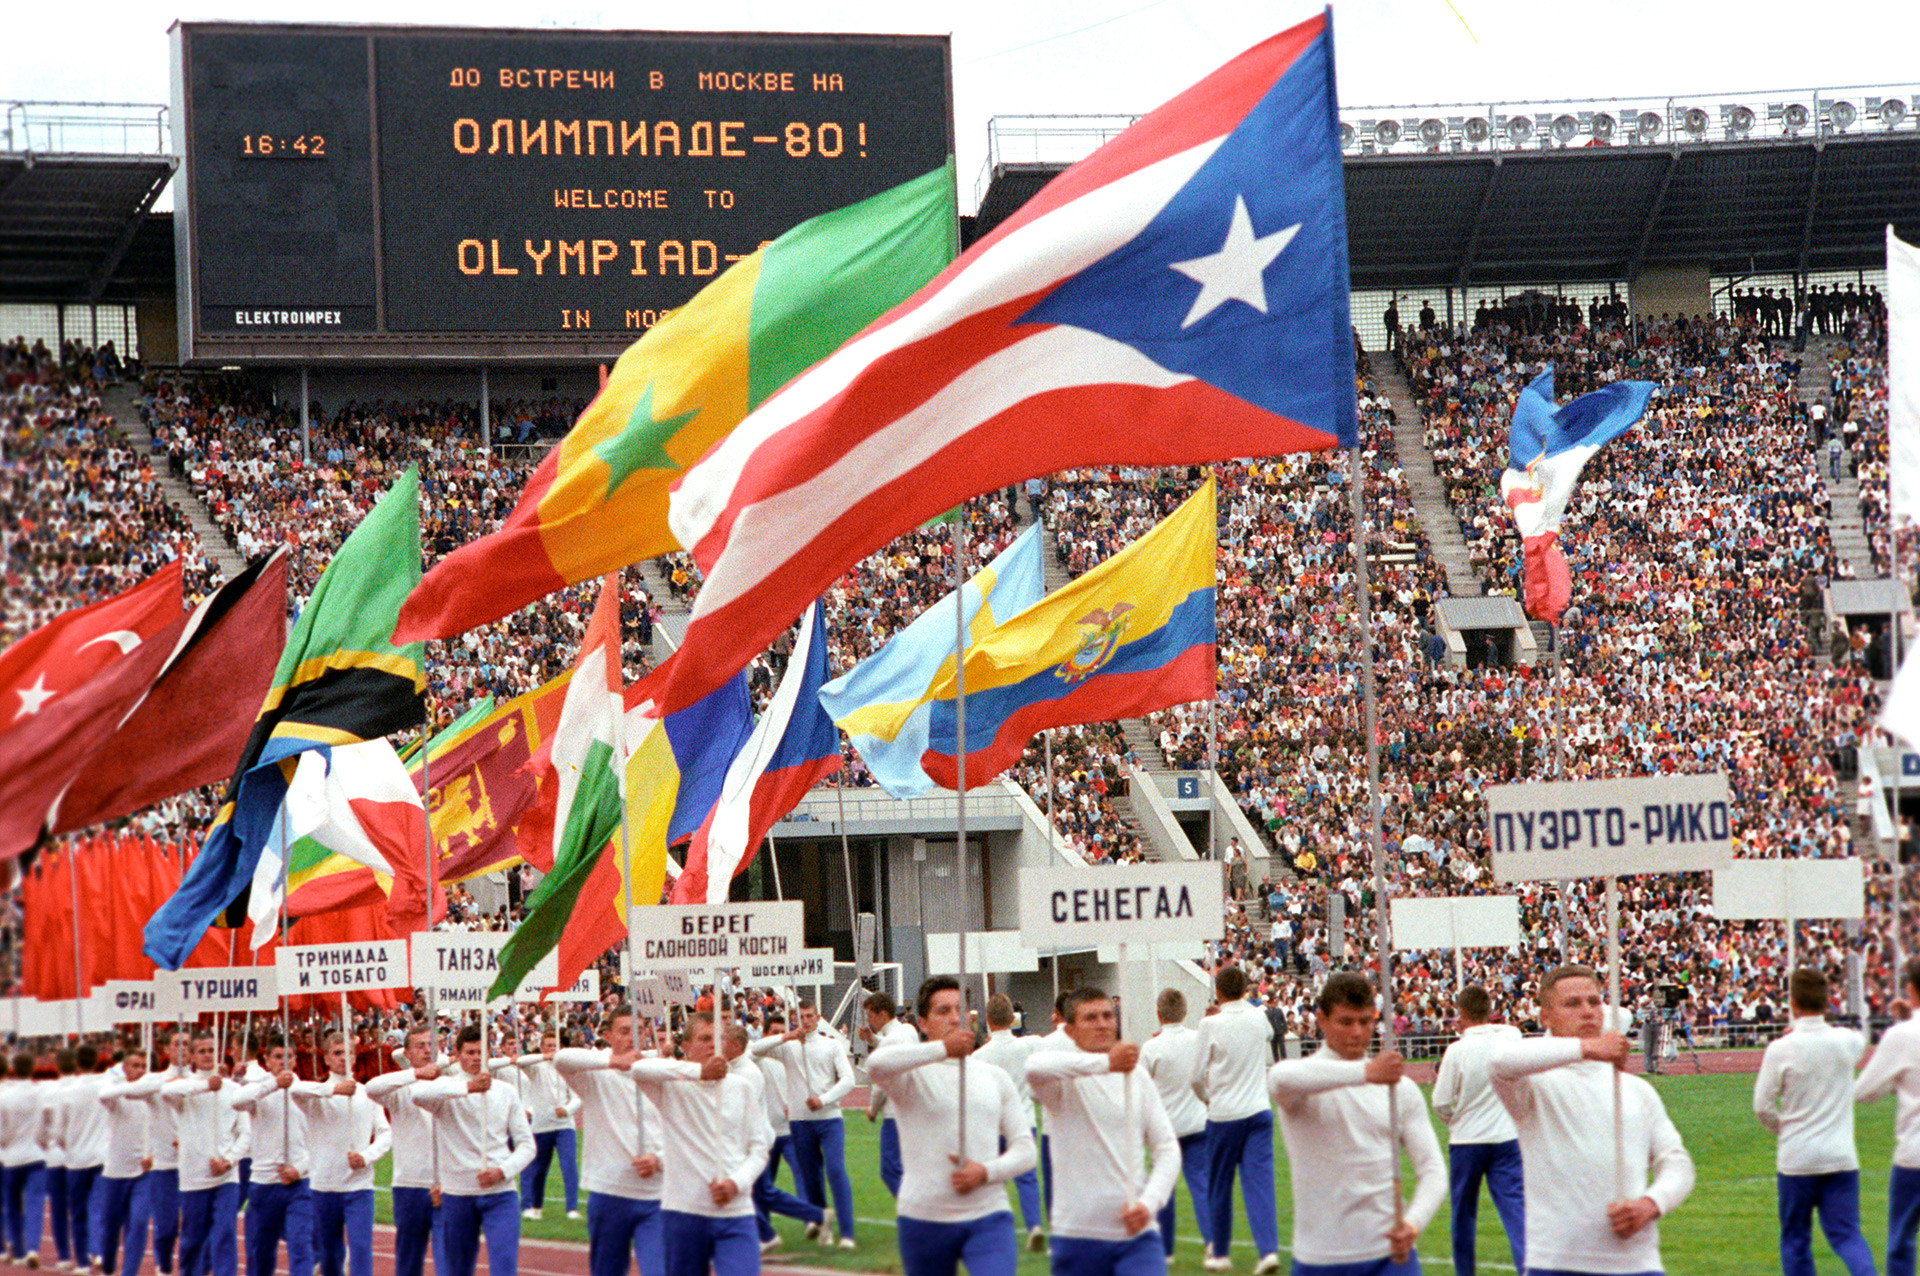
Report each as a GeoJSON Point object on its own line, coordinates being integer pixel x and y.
{"type": "Point", "coordinates": [339, 681]}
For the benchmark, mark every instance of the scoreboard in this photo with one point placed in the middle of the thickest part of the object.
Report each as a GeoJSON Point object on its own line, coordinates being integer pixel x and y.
{"type": "Point", "coordinates": [403, 193]}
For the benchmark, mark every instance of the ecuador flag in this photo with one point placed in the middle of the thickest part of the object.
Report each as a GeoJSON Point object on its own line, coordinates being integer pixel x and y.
{"type": "Point", "coordinates": [1133, 635]}
{"type": "Point", "coordinates": [599, 500]}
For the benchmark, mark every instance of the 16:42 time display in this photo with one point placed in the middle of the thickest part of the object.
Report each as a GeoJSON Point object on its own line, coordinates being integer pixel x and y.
{"type": "Point", "coordinates": [271, 146]}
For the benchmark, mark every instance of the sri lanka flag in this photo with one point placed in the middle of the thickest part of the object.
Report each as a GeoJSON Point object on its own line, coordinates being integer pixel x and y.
{"type": "Point", "coordinates": [1180, 296]}
{"type": "Point", "coordinates": [1546, 450]}
{"type": "Point", "coordinates": [794, 744]}
{"type": "Point", "coordinates": [1133, 635]}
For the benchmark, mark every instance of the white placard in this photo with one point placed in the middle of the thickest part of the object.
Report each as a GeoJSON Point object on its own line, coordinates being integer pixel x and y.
{"type": "Point", "coordinates": [678, 987]}
{"type": "Point", "coordinates": [648, 997]}
{"type": "Point", "coordinates": [453, 961]}
{"type": "Point", "coordinates": [131, 1001]}
{"type": "Point", "coordinates": [337, 968]}
{"type": "Point", "coordinates": [707, 937]}
{"type": "Point", "coordinates": [1122, 904]}
{"type": "Point", "coordinates": [812, 968]}
{"type": "Point", "coordinates": [188, 994]}
{"type": "Point", "coordinates": [1459, 921]}
{"type": "Point", "coordinates": [1800, 889]}
{"type": "Point", "coordinates": [998, 952]}
{"type": "Point", "coordinates": [586, 988]}
{"type": "Point", "coordinates": [1609, 828]}
{"type": "Point", "coordinates": [1176, 950]}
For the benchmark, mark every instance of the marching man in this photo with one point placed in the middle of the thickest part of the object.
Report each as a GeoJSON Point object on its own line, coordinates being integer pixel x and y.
{"type": "Point", "coordinates": [416, 1214]}
{"type": "Point", "coordinates": [769, 1199]}
{"type": "Point", "coordinates": [1560, 1091]}
{"type": "Point", "coordinates": [819, 1075]}
{"type": "Point", "coordinates": [1481, 1143]}
{"type": "Point", "coordinates": [212, 1138]}
{"type": "Point", "coordinates": [280, 1199]}
{"type": "Point", "coordinates": [1009, 1054]}
{"type": "Point", "coordinates": [950, 1211]}
{"type": "Point", "coordinates": [621, 1161]}
{"type": "Point", "coordinates": [483, 1143]}
{"type": "Point", "coordinates": [1172, 1058]}
{"type": "Point", "coordinates": [1104, 1122]}
{"type": "Point", "coordinates": [553, 1106]}
{"type": "Point", "coordinates": [884, 1028]}
{"type": "Point", "coordinates": [23, 1166]}
{"type": "Point", "coordinates": [715, 1145]}
{"type": "Point", "coordinates": [1345, 1117]}
{"type": "Point", "coordinates": [1895, 1068]}
{"type": "Point", "coordinates": [346, 1133]}
{"type": "Point", "coordinates": [121, 1193]}
{"type": "Point", "coordinates": [1236, 1049]}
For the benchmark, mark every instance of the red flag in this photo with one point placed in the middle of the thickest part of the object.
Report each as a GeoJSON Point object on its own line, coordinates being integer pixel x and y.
{"type": "Point", "coordinates": [193, 723]}
{"type": "Point", "coordinates": [68, 651]}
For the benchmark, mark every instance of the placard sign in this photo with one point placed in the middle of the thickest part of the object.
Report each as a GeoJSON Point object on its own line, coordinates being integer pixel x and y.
{"type": "Point", "coordinates": [1798, 889]}
{"type": "Point", "coordinates": [586, 988]}
{"type": "Point", "coordinates": [1602, 828]}
{"type": "Point", "coordinates": [708, 937]}
{"type": "Point", "coordinates": [336, 968]}
{"type": "Point", "coordinates": [1121, 904]}
{"type": "Point", "coordinates": [451, 962]}
{"type": "Point", "coordinates": [997, 952]}
{"type": "Point", "coordinates": [810, 969]}
{"type": "Point", "coordinates": [1462, 921]}
{"type": "Point", "coordinates": [192, 993]}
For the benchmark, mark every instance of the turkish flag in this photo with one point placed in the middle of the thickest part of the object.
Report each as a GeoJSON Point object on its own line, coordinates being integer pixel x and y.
{"type": "Point", "coordinates": [40, 756]}
{"type": "Point", "coordinates": [190, 728]}
{"type": "Point", "coordinates": [68, 651]}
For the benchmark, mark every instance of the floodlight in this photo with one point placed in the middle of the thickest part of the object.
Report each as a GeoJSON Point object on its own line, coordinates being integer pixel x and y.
{"type": "Point", "coordinates": [1694, 122]}
{"type": "Point", "coordinates": [1477, 130]}
{"type": "Point", "coordinates": [1648, 126]}
{"type": "Point", "coordinates": [1387, 132]}
{"type": "Point", "coordinates": [1739, 121]}
{"type": "Point", "coordinates": [1565, 129]}
{"type": "Point", "coordinates": [1842, 114]}
{"type": "Point", "coordinates": [1433, 132]}
{"type": "Point", "coordinates": [1603, 126]}
{"type": "Point", "coordinates": [1347, 136]}
{"type": "Point", "coordinates": [1519, 129]}
{"type": "Point", "coordinates": [1892, 111]}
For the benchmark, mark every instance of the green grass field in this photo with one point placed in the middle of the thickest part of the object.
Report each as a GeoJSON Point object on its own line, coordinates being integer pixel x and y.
{"type": "Point", "coordinates": [1726, 1228]}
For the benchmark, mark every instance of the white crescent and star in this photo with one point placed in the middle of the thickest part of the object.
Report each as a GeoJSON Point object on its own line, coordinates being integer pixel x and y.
{"type": "Point", "coordinates": [125, 639]}
{"type": "Point", "coordinates": [1237, 272]}
{"type": "Point", "coordinates": [33, 699]}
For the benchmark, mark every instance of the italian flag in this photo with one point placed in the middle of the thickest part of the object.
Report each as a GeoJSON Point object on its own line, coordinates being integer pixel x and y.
{"type": "Point", "coordinates": [583, 761]}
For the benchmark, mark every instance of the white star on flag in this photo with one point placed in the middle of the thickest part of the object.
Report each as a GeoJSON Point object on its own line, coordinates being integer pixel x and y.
{"type": "Point", "coordinates": [34, 698]}
{"type": "Point", "coordinates": [1236, 272]}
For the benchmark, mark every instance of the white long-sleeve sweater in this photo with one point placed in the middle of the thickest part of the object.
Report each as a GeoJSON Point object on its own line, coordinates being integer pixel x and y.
{"type": "Point", "coordinates": [409, 1124]}
{"type": "Point", "coordinates": [1091, 1110]}
{"type": "Point", "coordinates": [714, 1130]}
{"type": "Point", "coordinates": [818, 1066]}
{"type": "Point", "coordinates": [23, 1118]}
{"type": "Point", "coordinates": [1895, 1067]}
{"type": "Point", "coordinates": [206, 1127]}
{"type": "Point", "coordinates": [165, 1142]}
{"type": "Point", "coordinates": [1804, 1094]}
{"type": "Point", "coordinates": [612, 1131]}
{"type": "Point", "coordinates": [1562, 1105]}
{"type": "Point", "coordinates": [1236, 1049]}
{"type": "Point", "coordinates": [1173, 1058]}
{"type": "Point", "coordinates": [279, 1126]}
{"type": "Point", "coordinates": [85, 1131]}
{"type": "Point", "coordinates": [923, 1086]}
{"type": "Point", "coordinates": [1345, 1154]}
{"type": "Point", "coordinates": [475, 1132]}
{"type": "Point", "coordinates": [897, 1033]}
{"type": "Point", "coordinates": [338, 1125]}
{"type": "Point", "coordinates": [129, 1127]}
{"type": "Point", "coordinates": [1010, 1054]}
{"type": "Point", "coordinates": [550, 1101]}
{"type": "Point", "coordinates": [1463, 1092]}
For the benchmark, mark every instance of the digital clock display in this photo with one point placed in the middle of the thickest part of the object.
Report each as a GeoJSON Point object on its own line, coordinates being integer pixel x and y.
{"type": "Point", "coordinates": [268, 146]}
{"type": "Point", "coordinates": [559, 190]}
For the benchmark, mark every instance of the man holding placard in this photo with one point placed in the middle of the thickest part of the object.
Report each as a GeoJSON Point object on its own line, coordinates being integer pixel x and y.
{"type": "Point", "coordinates": [1235, 1052]}
{"type": "Point", "coordinates": [347, 1132]}
{"type": "Point", "coordinates": [1482, 1144]}
{"type": "Point", "coordinates": [1010, 1053]}
{"type": "Point", "coordinates": [1345, 1118]}
{"type": "Point", "coordinates": [1172, 1058]}
{"type": "Point", "coordinates": [950, 1213]}
{"type": "Point", "coordinates": [483, 1142]}
{"type": "Point", "coordinates": [768, 1199]}
{"type": "Point", "coordinates": [1895, 1068]}
{"type": "Point", "coordinates": [1595, 1190]}
{"type": "Point", "coordinates": [554, 1107]}
{"type": "Point", "coordinates": [715, 1145]}
{"type": "Point", "coordinates": [1104, 1122]}
{"type": "Point", "coordinates": [163, 1179]}
{"type": "Point", "coordinates": [212, 1138]}
{"type": "Point", "coordinates": [621, 1161]}
{"type": "Point", "coordinates": [819, 1075]}
{"type": "Point", "coordinates": [121, 1194]}
{"type": "Point", "coordinates": [280, 1197]}
{"type": "Point", "coordinates": [416, 1214]}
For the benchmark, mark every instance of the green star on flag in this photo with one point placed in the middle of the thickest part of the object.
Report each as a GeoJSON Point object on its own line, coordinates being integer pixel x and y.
{"type": "Point", "coordinates": [641, 444]}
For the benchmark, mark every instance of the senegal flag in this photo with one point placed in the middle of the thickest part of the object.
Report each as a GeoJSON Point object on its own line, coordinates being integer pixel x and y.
{"type": "Point", "coordinates": [340, 680]}
{"type": "Point", "coordinates": [598, 502]}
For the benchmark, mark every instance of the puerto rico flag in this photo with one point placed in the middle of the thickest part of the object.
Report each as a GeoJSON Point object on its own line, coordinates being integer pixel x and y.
{"type": "Point", "coordinates": [1178, 297]}
{"type": "Point", "coordinates": [1547, 447]}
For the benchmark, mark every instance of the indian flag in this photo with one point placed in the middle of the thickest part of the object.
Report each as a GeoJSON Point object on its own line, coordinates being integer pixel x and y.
{"type": "Point", "coordinates": [599, 500]}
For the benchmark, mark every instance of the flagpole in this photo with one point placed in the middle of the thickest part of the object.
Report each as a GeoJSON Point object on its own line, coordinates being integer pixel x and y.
{"type": "Point", "coordinates": [79, 991]}
{"type": "Point", "coordinates": [626, 847]}
{"type": "Point", "coordinates": [846, 858]}
{"type": "Point", "coordinates": [286, 924]}
{"type": "Point", "coordinates": [1559, 760]}
{"type": "Point", "coordinates": [1369, 694]}
{"type": "Point", "coordinates": [1046, 746]}
{"type": "Point", "coordinates": [960, 777]}
{"type": "Point", "coordinates": [1899, 749]}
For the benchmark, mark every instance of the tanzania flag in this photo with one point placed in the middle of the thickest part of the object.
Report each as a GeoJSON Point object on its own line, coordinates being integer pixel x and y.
{"type": "Point", "coordinates": [584, 767]}
{"type": "Point", "coordinates": [1133, 635]}
{"type": "Point", "coordinates": [599, 500]}
{"type": "Point", "coordinates": [340, 680]}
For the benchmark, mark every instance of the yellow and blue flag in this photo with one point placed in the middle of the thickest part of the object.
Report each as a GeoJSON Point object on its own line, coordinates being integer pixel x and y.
{"type": "Point", "coordinates": [1133, 635]}
{"type": "Point", "coordinates": [885, 703]}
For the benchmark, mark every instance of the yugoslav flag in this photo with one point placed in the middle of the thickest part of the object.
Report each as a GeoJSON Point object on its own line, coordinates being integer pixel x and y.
{"type": "Point", "coordinates": [793, 745]}
{"type": "Point", "coordinates": [885, 702]}
{"type": "Point", "coordinates": [1179, 296]}
{"type": "Point", "coordinates": [1546, 450]}
{"type": "Point", "coordinates": [356, 801]}
{"type": "Point", "coordinates": [1133, 635]}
